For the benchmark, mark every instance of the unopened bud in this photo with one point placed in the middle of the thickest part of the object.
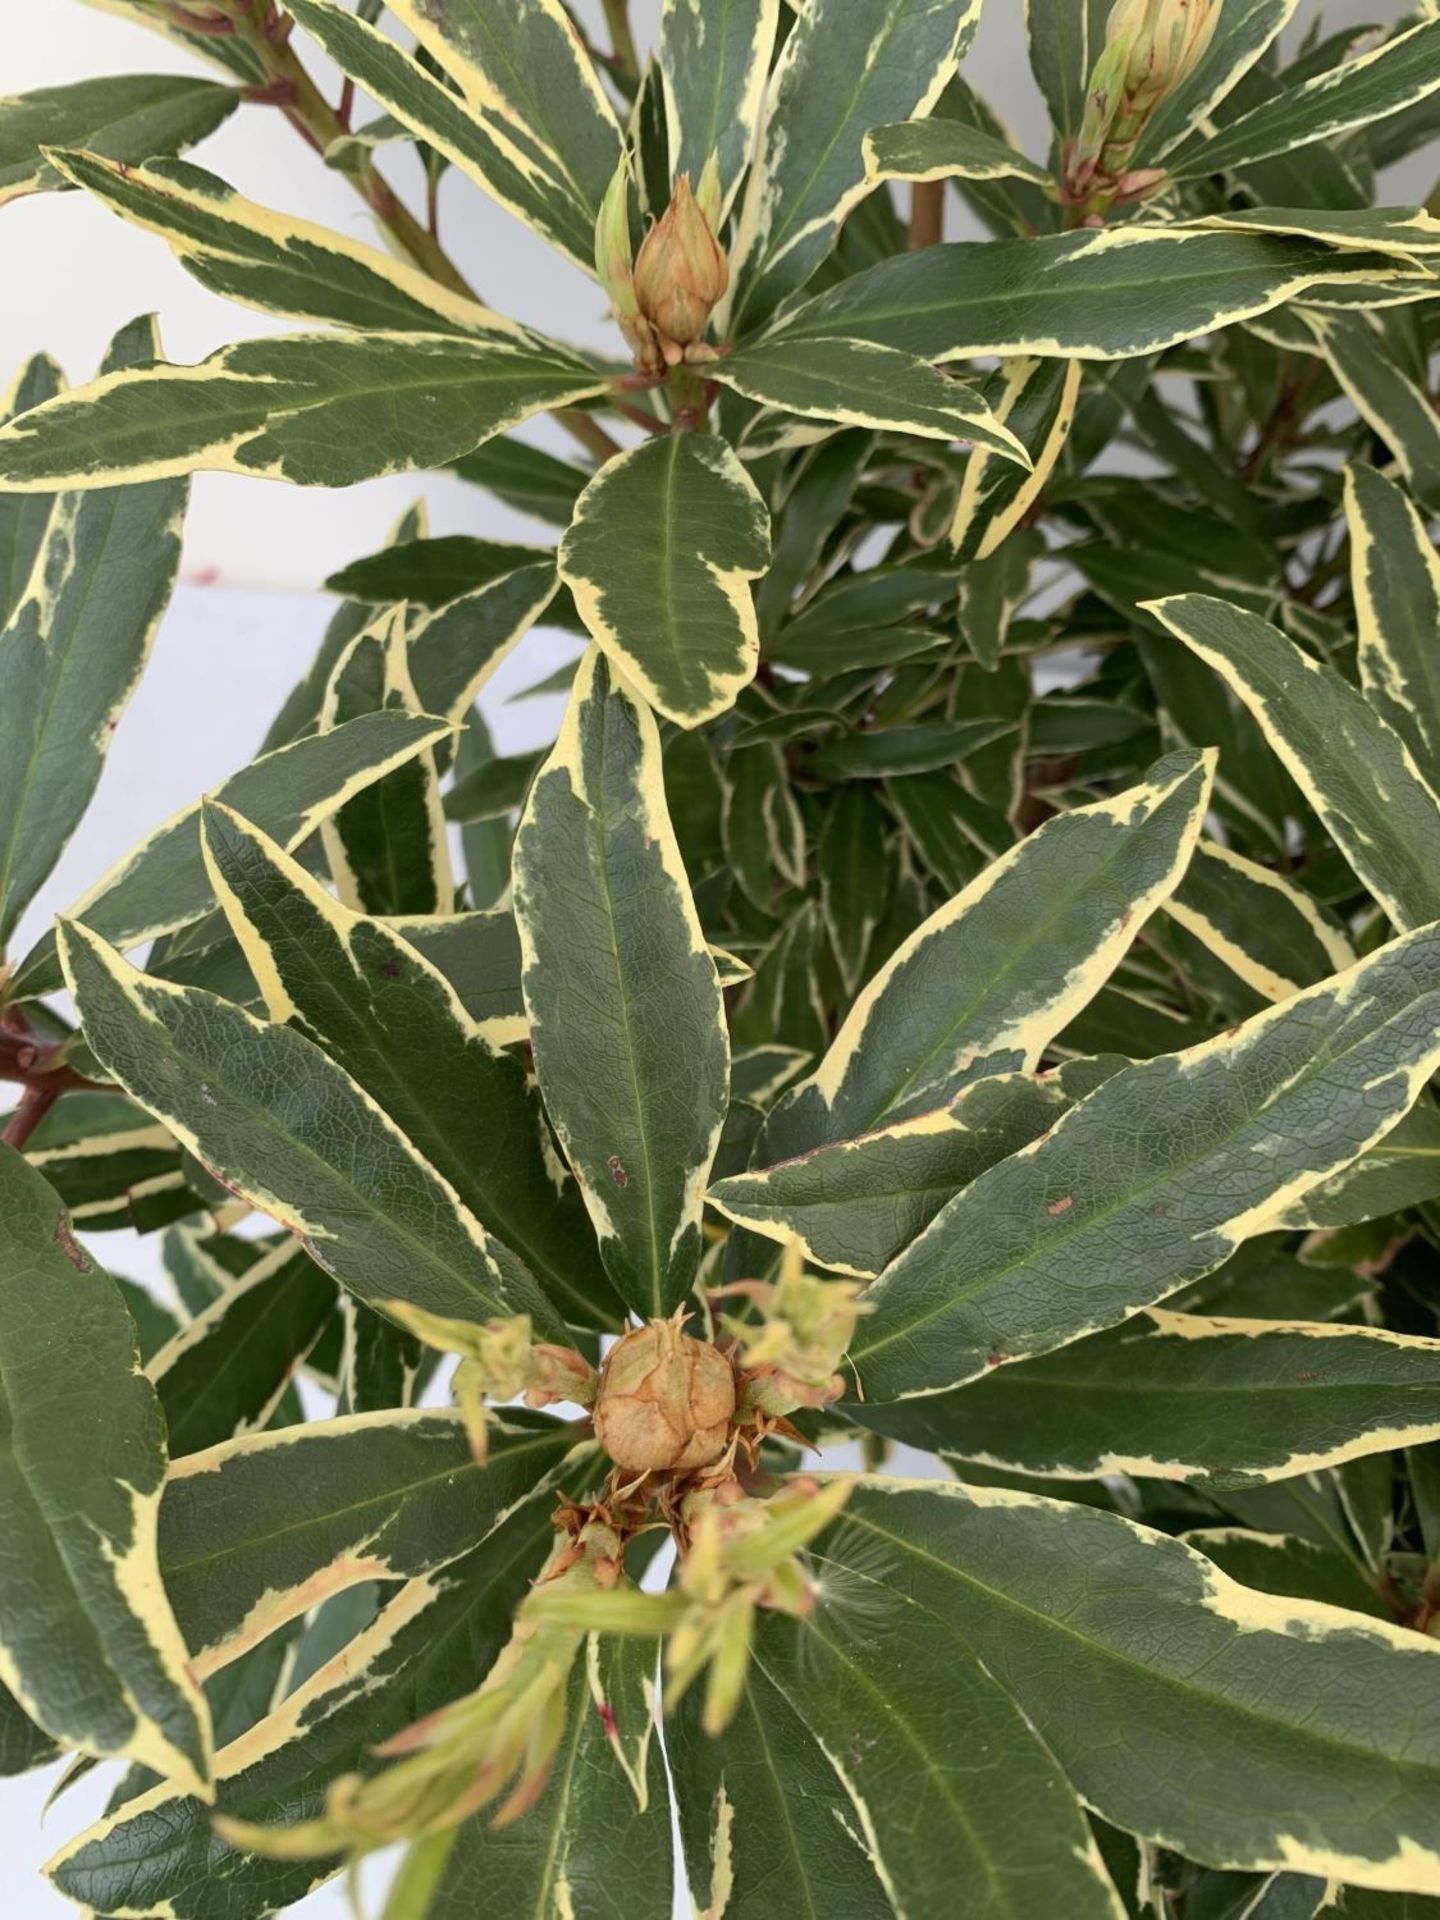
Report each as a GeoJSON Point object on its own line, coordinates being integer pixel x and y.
{"type": "Point", "coordinates": [681, 272]}
{"type": "Point", "coordinates": [791, 1355]}
{"type": "Point", "coordinates": [666, 1400]}
{"type": "Point", "coordinates": [1151, 48]}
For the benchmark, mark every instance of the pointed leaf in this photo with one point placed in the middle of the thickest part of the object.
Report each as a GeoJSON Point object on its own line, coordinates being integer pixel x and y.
{"type": "Point", "coordinates": [371, 1496]}
{"type": "Point", "coordinates": [284, 1127]}
{"type": "Point", "coordinates": [1395, 577]}
{"type": "Point", "coordinates": [319, 410]}
{"type": "Point", "coordinates": [72, 652]}
{"type": "Point", "coordinates": [1264, 928]}
{"type": "Point", "coordinates": [1156, 1177]}
{"type": "Point", "coordinates": [1173, 1397]}
{"type": "Point", "coordinates": [24, 518]}
{"type": "Point", "coordinates": [847, 66]}
{"type": "Point", "coordinates": [1384, 395]}
{"type": "Point", "coordinates": [626, 1017]}
{"type": "Point", "coordinates": [127, 117]}
{"type": "Point", "coordinates": [942, 150]}
{"type": "Point", "coordinates": [986, 983]}
{"type": "Point", "coordinates": [660, 554]}
{"type": "Point", "coordinates": [715, 67]}
{"type": "Point", "coordinates": [1230, 1726]}
{"type": "Point", "coordinates": [860, 384]}
{"type": "Point", "coordinates": [1355, 772]}
{"type": "Point", "coordinates": [392, 1022]}
{"type": "Point", "coordinates": [87, 1638]}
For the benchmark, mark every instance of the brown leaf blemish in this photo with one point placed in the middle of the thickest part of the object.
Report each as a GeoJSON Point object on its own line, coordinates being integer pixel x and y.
{"type": "Point", "coordinates": [1063, 1205]}
{"type": "Point", "coordinates": [71, 1247]}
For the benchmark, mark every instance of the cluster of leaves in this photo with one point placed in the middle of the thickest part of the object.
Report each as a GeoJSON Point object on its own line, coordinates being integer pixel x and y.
{"type": "Point", "coordinates": [991, 857]}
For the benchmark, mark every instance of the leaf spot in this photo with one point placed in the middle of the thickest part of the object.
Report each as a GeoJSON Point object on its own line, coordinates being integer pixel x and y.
{"type": "Point", "coordinates": [617, 1171]}
{"type": "Point", "coordinates": [70, 1246]}
{"type": "Point", "coordinates": [607, 1719]}
{"type": "Point", "coordinates": [1063, 1205]}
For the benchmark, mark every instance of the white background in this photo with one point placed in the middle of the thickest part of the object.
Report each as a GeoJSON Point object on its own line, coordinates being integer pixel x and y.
{"type": "Point", "coordinates": [246, 617]}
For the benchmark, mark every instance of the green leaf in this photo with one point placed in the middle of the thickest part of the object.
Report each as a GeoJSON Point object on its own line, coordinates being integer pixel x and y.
{"type": "Point", "coordinates": [1353, 93]}
{"type": "Point", "coordinates": [226, 1372]}
{"type": "Point", "coordinates": [659, 557]}
{"type": "Point", "coordinates": [1384, 395]}
{"type": "Point", "coordinates": [598, 1843]}
{"type": "Point", "coordinates": [162, 884]}
{"type": "Point", "coordinates": [1036, 400]}
{"type": "Point", "coordinates": [1408, 233]}
{"type": "Point", "coordinates": [387, 847]}
{"type": "Point", "coordinates": [1395, 578]}
{"type": "Point", "coordinates": [480, 134]}
{"type": "Point", "coordinates": [766, 1822]}
{"type": "Point", "coordinates": [1104, 295]}
{"type": "Point", "coordinates": [392, 1022]}
{"type": "Point", "coordinates": [860, 384]}
{"type": "Point", "coordinates": [1264, 929]}
{"type": "Point", "coordinates": [1402, 1171]}
{"type": "Point", "coordinates": [87, 1638]}
{"type": "Point", "coordinates": [319, 410]}
{"type": "Point", "coordinates": [272, 1116]}
{"type": "Point", "coordinates": [626, 1019]}
{"type": "Point", "coordinates": [984, 985]}
{"type": "Point", "coordinates": [942, 150]}
{"type": "Point", "coordinates": [854, 877]}
{"type": "Point", "coordinates": [715, 66]}
{"type": "Point", "coordinates": [124, 117]}
{"type": "Point", "coordinates": [855, 1204]}
{"type": "Point", "coordinates": [525, 478]}
{"type": "Point", "coordinates": [1156, 1177]}
{"type": "Point", "coordinates": [454, 650]}
{"type": "Point", "coordinates": [432, 573]}
{"type": "Point", "coordinates": [1173, 1397]}
{"type": "Point", "coordinates": [1284, 1563]}
{"type": "Point", "coordinates": [72, 652]}
{"type": "Point", "coordinates": [524, 68]}
{"type": "Point", "coordinates": [274, 261]}
{"type": "Point", "coordinates": [1243, 33]}
{"type": "Point", "coordinates": [24, 518]}
{"type": "Point", "coordinates": [1064, 39]}
{"type": "Point", "coordinates": [370, 1496]}
{"type": "Point", "coordinates": [847, 66]}
{"type": "Point", "coordinates": [1355, 772]}
{"type": "Point", "coordinates": [888, 752]}
{"type": "Point", "coordinates": [111, 1164]}
{"type": "Point", "coordinates": [1225, 1724]}
{"type": "Point", "coordinates": [431, 1643]}
{"type": "Point", "coordinates": [891, 1711]}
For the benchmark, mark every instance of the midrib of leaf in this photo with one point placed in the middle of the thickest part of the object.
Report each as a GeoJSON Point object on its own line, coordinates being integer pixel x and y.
{"type": "Point", "coordinates": [330, 1514]}
{"type": "Point", "coordinates": [622, 1001]}
{"type": "Point", "coordinates": [520, 89]}
{"type": "Point", "coordinates": [721, 13]}
{"type": "Point", "coordinates": [560, 1789]}
{"type": "Point", "coordinates": [59, 662]}
{"type": "Point", "coordinates": [998, 1276]}
{"type": "Point", "coordinates": [1226, 1703]}
{"type": "Point", "coordinates": [780, 1795]}
{"type": "Point", "coordinates": [197, 89]}
{"type": "Point", "coordinates": [1019, 955]}
{"type": "Point", "coordinates": [897, 1719]}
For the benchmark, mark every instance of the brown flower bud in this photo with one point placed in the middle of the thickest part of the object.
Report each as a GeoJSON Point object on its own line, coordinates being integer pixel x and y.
{"type": "Point", "coordinates": [665, 1401]}
{"type": "Point", "coordinates": [680, 272]}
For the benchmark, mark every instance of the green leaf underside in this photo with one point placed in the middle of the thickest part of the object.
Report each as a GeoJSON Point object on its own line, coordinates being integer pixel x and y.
{"type": "Point", "coordinates": [985, 984]}
{"type": "Point", "coordinates": [1172, 1396]}
{"type": "Point", "coordinates": [1182, 1707]}
{"type": "Point", "coordinates": [392, 1022]}
{"type": "Point", "coordinates": [256, 1531]}
{"type": "Point", "coordinates": [319, 410]}
{"type": "Point", "coordinates": [125, 117]}
{"type": "Point", "coordinates": [279, 1122]}
{"type": "Point", "coordinates": [659, 557]}
{"type": "Point", "coordinates": [71, 654]}
{"type": "Point", "coordinates": [1156, 1177]}
{"type": "Point", "coordinates": [625, 1011]}
{"type": "Point", "coordinates": [1354, 770]}
{"type": "Point", "coordinates": [1097, 296]}
{"type": "Point", "coordinates": [87, 1638]}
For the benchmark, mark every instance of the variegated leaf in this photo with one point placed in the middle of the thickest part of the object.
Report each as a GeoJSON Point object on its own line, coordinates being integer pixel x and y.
{"type": "Point", "coordinates": [626, 1018]}
{"type": "Point", "coordinates": [714, 67]}
{"type": "Point", "coordinates": [126, 117]}
{"type": "Point", "coordinates": [659, 557]}
{"type": "Point", "coordinates": [1156, 1178]}
{"type": "Point", "coordinates": [88, 1643]}
{"type": "Point", "coordinates": [1395, 578]}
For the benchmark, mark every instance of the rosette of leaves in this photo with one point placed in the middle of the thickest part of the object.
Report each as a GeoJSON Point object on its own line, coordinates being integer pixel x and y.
{"type": "Point", "coordinates": [964, 983]}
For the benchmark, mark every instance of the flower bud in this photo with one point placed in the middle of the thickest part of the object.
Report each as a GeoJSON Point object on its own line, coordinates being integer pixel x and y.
{"type": "Point", "coordinates": [792, 1353]}
{"type": "Point", "coordinates": [1151, 48]}
{"type": "Point", "coordinates": [665, 1402]}
{"type": "Point", "coordinates": [681, 272]}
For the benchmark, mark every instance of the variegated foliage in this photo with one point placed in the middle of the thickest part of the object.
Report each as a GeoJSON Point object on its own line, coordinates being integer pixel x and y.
{"type": "Point", "coordinates": [966, 974]}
